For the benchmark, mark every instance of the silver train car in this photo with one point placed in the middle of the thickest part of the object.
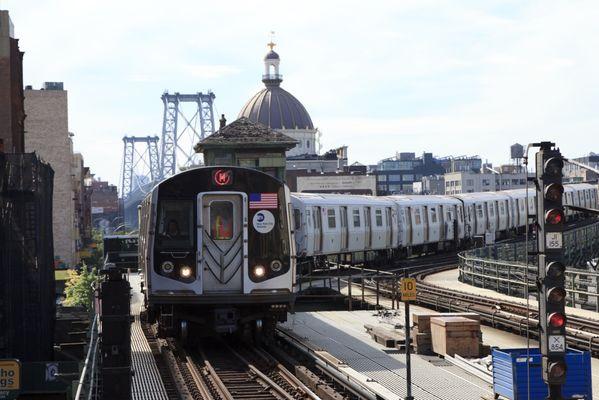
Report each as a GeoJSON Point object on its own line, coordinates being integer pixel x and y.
{"type": "Point", "coordinates": [327, 224]}
{"type": "Point", "coordinates": [216, 251]}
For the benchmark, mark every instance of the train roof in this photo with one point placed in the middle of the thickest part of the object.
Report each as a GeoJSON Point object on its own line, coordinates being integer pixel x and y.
{"type": "Point", "coordinates": [423, 199]}
{"type": "Point", "coordinates": [340, 199]}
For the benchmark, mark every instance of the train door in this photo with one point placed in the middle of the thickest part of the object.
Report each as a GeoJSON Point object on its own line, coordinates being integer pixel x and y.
{"type": "Point", "coordinates": [317, 222]}
{"type": "Point", "coordinates": [221, 237]}
{"type": "Point", "coordinates": [367, 230]}
{"type": "Point", "coordinates": [389, 227]}
{"type": "Point", "coordinates": [344, 227]}
{"type": "Point", "coordinates": [426, 224]}
{"type": "Point", "coordinates": [408, 221]}
{"type": "Point", "coordinates": [442, 224]}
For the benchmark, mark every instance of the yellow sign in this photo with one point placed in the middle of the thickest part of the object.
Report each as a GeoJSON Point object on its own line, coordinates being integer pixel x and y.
{"type": "Point", "coordinates": [408, 289]}
{"type": "Point", "coordinates": [10, 375]}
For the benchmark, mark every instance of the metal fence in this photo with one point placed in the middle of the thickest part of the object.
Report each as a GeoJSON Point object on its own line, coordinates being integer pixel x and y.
{"type": "Point", "coordinates": [27, 294]}
{"type": "Point", "coordinates": [503, 267]}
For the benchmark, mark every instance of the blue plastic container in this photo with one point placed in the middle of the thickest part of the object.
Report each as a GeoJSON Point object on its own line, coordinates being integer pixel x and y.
{"type": "Point", "coordinates": [510, 374]}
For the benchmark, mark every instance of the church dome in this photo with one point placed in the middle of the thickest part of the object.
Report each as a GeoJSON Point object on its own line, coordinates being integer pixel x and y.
{"type": "Point", "coordinates": [273, 106]}
{"type": "Point", "coordinates": [277, 109]}
{"type": "Point", "coordinates": [272, 55]}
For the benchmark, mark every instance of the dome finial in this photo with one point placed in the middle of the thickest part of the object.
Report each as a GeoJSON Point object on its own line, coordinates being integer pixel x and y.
{"type": "Point", "coordinates": [272, 43]}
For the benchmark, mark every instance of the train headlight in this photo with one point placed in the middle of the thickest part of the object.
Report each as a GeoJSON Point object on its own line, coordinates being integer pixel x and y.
{"type": "Point", "coordinates": [185, 271]}
{"type": "Point", "coordinates": [276, 265]}
{"type": "Point", "coordinates": [167, 267]}
{"type": "Point", "coordinates": [259, 271]}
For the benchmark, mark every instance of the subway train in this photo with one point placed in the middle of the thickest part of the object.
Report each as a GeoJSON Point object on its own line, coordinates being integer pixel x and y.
{"type": "Point", "coordinates": [216, 252]}
{"type": "Point", "coordinates": [333, 224]}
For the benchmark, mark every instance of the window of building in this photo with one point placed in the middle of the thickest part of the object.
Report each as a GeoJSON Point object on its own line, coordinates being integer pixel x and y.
{"type": "Point", "coordinates": [307, 143]}
{"type": "Point", "coordinates": [356, 214]}
{"type": "Point", "coordinates": [470, 182]}
{"type": "Point", "coordinates": [331, 218]}
{"type": "Point", "coordinates": [434, 215]}
{"type": "Point", "coordinates": [486, 182]}
{"type": "Point", "coordinates": [395, 188]}
{"type": "Point", "coordinates": [378, 213]}
{"type": "Point", "coordinates": [405, 165]}
{"type": "Point", "coordinates": [395, 178]}
{"type": "Point", "coordinates": [381, 178]}
{"type": "Point", "coordinates": [408, 177]}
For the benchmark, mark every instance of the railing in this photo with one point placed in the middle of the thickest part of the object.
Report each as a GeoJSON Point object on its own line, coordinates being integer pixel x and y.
{"type": "Point", "coordinates": [87, 380]}
{"type": "Point", "coordinates": [272, 77]}
{"type": "Point", "coordinates": [504, 267]}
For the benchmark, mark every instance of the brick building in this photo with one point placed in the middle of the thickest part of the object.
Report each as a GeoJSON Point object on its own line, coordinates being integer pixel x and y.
{"type": "Point", "coordinates": [47, 133]}
{"type": "Point", "coordinates": [11, 89]}
{"type": "Point", "coordinates": [104, 201]}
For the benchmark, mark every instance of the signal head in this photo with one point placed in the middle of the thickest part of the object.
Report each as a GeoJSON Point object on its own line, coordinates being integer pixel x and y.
{"type": "Point", "coordinates": [554, 192]}
{"type": "Point", "coordinates": [557, 320]}
{"type": "Point", "coordinates": [556, 295]}
{"type": "Point", "coordinates": [555, 270]}
{"type": "Point", "coordinates": [554, 216]}
{"type": "Point", "coordinates": [556, 370]}
{"type": "Point", "coordinates": [554, 166]}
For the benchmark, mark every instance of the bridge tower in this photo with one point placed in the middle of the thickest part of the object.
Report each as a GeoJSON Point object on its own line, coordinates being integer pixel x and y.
{"type": "Point", "coordinates": [183, 127]}
{"type": "Point", "coordinates": [141, 164]}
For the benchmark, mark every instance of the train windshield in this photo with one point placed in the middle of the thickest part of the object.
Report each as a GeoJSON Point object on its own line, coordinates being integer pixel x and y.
{"type": "Point", "coordinates": [175, 224]}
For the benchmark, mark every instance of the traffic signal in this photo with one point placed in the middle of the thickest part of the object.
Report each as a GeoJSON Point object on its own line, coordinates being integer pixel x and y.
{"type": "Point", "coordinates": [552, 291]}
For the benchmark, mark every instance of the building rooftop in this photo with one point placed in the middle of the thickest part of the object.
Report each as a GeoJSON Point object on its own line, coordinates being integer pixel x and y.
{"type": "Point", "coordinates": [243, 131]}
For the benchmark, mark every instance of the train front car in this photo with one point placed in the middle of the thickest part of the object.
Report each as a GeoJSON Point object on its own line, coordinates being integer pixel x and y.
{"type": "Point", "coordinates": [217, 252]}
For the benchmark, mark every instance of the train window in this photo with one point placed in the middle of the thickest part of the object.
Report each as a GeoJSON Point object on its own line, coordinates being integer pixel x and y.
{"type": "Point", "coordinates": [388, 216]}
{"type": "Point", "coordinates": [331, 218]}
{"type": "Point", "coordinates": [378, 213]}
{"type": "Point", "coordinates": [356, 214]}
{"type": "Point", "coordinates": [316, 217]}
{"type": "Point", "coordinates": [221, 220]}
{"type": "Point", "coordinates": [297, 218]}
{"type": "Point", "coordinates": [479, 210]}
{"type": "Point", "coordinates": [175, 224]}
{"type": "Point", "coordinates": [417, 216]}
{"type": "Point", "coordinates": [434, 215]}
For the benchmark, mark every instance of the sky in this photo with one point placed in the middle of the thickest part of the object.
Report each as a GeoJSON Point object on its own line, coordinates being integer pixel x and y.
{"type": "Point", "coordinates": [455, 77]}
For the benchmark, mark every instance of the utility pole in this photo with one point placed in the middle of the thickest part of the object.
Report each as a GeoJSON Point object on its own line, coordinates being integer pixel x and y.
{"type": "Point", "coordinates": [550, 256]}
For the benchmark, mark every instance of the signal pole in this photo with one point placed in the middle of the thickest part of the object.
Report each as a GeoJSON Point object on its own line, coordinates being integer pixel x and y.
{"type": "Point", "coordinates": [550, 256]}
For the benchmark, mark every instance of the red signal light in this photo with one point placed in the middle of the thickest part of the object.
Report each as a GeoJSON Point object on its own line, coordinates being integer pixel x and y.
{"type": "Point", "coordinates": [557, 320]}
{"type": "Point", "coordinates": [557, 370]}
{"type": "Point", "coordinates": [554, 216]}
{"type": "Point", "coordinates": [556, 294]}
{"type": "Point", "coordinates": [554, 192]}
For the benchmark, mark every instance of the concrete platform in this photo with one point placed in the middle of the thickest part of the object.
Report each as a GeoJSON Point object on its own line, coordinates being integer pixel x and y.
{"type": "Point", "coordinates": [449, 280]}
{"type": "Point", "coordinates": [494, 337]}
{"type": "Point", "coordinates": [147, 384]}
{"type": "Point", "coordinates": [343, 335]}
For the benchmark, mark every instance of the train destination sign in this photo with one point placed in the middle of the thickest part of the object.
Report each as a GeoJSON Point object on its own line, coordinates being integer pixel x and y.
{"type": "Point", "coordinates": [408, 289]}
{"type": "Point", "coordinates": [10, 379]}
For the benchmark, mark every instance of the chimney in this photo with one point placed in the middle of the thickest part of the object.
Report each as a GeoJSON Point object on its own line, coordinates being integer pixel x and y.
{"type": "Point", "coordinates": [223, 121]}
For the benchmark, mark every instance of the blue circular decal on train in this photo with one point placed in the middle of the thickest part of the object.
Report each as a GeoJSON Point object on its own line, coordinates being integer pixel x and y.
{"type": "Point", "coordinates": [263, 221]}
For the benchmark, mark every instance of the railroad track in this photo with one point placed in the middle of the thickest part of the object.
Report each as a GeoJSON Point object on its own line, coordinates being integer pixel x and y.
{"type": "Point", "coordinates": [221, 372]}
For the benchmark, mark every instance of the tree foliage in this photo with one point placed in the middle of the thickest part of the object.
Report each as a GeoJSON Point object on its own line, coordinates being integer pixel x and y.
{"type": "Point", "coordinates": [79, 290]}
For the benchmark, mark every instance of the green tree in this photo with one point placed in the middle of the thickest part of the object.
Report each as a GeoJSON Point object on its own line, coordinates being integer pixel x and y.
{"type": "Point", "coordinates": [79, 290]}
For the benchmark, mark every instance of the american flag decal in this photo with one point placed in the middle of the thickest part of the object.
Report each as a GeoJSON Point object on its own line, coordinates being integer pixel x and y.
{"type": "Point", "coordinates": [263, 200]}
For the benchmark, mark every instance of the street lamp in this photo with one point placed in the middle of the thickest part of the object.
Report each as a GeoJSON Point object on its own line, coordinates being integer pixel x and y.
{"type": "Point", "coordinates": [495, 172]}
